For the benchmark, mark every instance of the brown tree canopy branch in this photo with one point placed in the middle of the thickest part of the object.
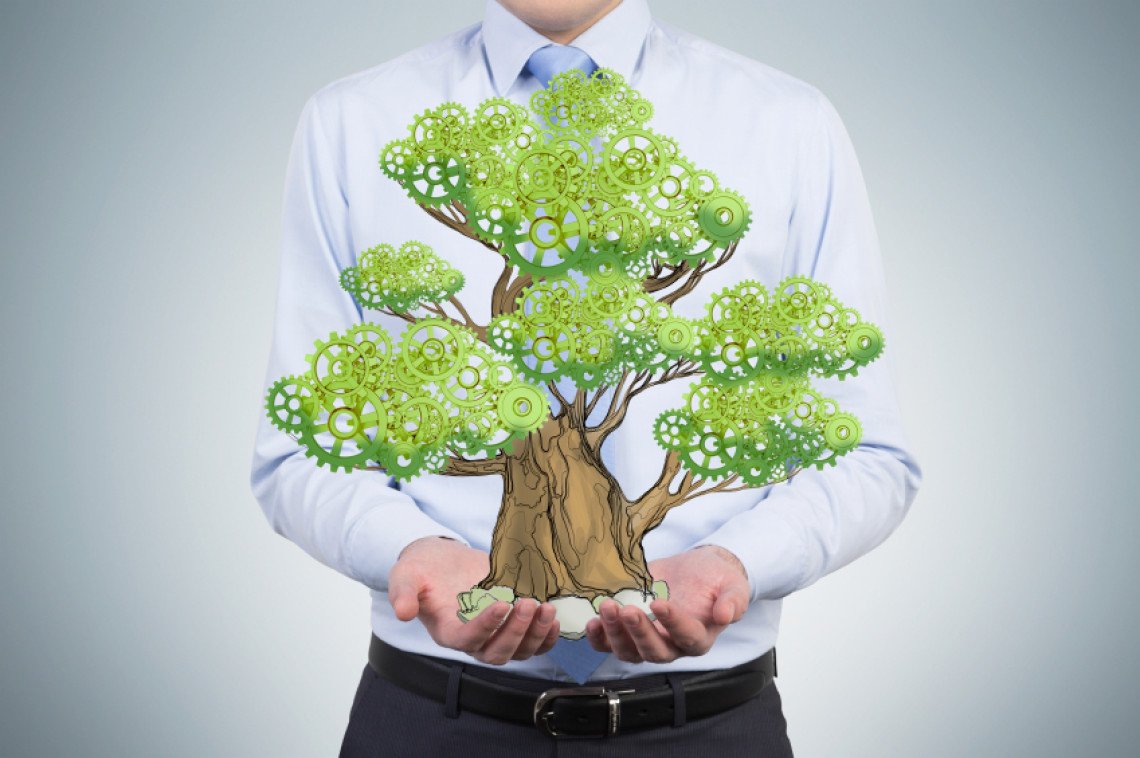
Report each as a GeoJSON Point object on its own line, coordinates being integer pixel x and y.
{"type": "Point", "coordinates": [437, 310]}
{"type": "Point", "coordinates": [457, 466]}
{"type": "Point", "coordinates": [464, 467]}
{"type": "Point", "coordinates": [457, 219]}
{"type": "Point", "coordinates": [553, 387]}
{"type": "Point", "coordinates": [650, 509]}
{"type": "Point", "coordinates": [687, 276]}
{"type": "Point", "coordinates": [512, 290]}
{"type": "Point", "coordinates": [641, 381]}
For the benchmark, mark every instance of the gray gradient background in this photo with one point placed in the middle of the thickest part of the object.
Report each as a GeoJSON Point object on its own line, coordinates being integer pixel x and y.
{"type": "Point", "coordinates": [148, 609]}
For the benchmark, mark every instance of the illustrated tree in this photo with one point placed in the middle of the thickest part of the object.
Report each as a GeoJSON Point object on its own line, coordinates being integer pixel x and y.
{"type": "Point", "coordinates": [600, 225]}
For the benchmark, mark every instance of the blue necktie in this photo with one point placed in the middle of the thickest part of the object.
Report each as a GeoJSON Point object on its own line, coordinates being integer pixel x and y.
{"type": "Point", "coordinates": [553, 59]}
{"type": "Point", "coordinates": [576, 657]}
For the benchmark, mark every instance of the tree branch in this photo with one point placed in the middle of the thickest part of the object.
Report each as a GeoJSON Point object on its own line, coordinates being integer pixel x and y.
{"type": "Point", "coordinates": [437, 309]}
{"type": "Point", "coordinates": [460, 223]}
{"type": "Point", "coordinates": [642, 381]}
{"type": "Point", "coordinates": [553, 387]}
{"type": "Point", "coordinates": [457, 466]}
{"type": "Point", "coordinates": [687, 275]}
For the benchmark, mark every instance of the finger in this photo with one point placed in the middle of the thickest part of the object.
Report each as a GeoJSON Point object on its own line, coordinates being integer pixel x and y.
{"type": "Point", "coordinates": [536, 634]}
{"type": "Point", "coordinates": [620, 641]}
{"type": "Point", "coordinates": [729, 607]}
{"type": "Point", "coordinates": [685, 630]}
{"type": "Point", "coordinates": [597, 636]}
{"type": "Point", "coordinates": [473, 635]}
{"type": "Point", "coordinates": [551, 638]}
{"type": "Point", "coordinates": [651, 645]}
{"type": "Point", "coordinates": [504, 642]}
{"type": "Point", "coordinates": [404, 595]}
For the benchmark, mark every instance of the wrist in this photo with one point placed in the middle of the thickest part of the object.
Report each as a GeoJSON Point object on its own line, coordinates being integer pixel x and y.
{"type": "Point", "coordinates": [729, 556]}
{"type": "Point", "coordinates": [421, 540]}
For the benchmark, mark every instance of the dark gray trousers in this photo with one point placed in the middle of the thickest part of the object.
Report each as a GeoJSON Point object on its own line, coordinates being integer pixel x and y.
{"type": "Point", "coordinates": [387, 720]}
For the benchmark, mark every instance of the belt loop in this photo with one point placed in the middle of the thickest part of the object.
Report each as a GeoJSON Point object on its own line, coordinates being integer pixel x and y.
{"type": "Point", "coordinates": [451, 704]}
{"type": "Point", "coordinates": [775, 671]}
{"type": "Point", "coordinates": [678, 685]}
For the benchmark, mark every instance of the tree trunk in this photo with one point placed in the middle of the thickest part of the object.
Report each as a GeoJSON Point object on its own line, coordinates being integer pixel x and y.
{"type": "Point", "coordinates": [564, 525]}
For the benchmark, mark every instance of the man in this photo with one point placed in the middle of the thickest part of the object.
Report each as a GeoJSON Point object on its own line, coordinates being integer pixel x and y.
{"type": "Point", "coordinates": [438, 686]}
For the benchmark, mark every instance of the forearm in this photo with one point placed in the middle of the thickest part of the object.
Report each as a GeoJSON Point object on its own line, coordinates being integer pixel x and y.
{"type": "Point", "coordinates": [820, 521]}
{"type": "Point", "coordinates": [352, 522]}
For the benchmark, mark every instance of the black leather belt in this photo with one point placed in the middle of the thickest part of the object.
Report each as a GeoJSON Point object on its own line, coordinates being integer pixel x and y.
{"type": "Point", "coordinates": [592, 710]}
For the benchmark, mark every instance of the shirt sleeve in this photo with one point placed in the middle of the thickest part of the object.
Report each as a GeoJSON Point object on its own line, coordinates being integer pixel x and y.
{"type": "Point", "coordinates": [355, 522]}
{"type": "Point", "coordinates": [801, 530]}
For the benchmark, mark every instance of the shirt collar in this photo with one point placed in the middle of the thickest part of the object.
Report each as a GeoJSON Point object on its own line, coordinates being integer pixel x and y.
{"type": "Point", "coordinates": [614, 42]}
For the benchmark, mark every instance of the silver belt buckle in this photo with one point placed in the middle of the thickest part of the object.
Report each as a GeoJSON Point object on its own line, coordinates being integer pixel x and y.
{"type": "Point", "coordinates": [542, 716]}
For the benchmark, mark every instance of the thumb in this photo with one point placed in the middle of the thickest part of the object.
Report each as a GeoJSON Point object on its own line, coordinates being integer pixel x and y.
{"type": "Point", "coordinates": [404, 595]}
{"type": "Point", "coordinates": [731, 602]}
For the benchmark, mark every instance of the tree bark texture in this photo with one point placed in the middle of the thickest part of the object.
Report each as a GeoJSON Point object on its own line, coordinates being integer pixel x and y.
{"type": "Point", "coordinates": [564, 527]}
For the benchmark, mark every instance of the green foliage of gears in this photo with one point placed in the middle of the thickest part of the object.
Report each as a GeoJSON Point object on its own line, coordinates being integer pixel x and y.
{"type": "Point", "coordinates": [577, 175]}
{"type": "Point", "coordinates": [404, 404]}
{"type": "Point", "coordinates": [401, 279]}
{"type": "Point", "coordinates": [800, 327]}
{"type": "Point", "coordinates": [758, 349]}
{"type": "Point", "coordinates": [580, 193]}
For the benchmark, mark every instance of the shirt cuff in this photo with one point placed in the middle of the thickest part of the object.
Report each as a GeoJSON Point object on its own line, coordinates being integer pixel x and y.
{"type": "Point", "coordinates": [376, 540]}
{"type": "Point", "coordinates": [771, 548]}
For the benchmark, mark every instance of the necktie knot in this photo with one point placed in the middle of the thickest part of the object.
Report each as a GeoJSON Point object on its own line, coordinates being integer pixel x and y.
{"type": "Point", "coordinates": [553, 59]}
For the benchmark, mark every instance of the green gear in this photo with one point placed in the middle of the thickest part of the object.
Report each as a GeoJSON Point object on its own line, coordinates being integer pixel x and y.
{"type": "Point", "coordinates": [498, 121]}
{"type": "Point", "coordinates": [799, 300]}
{"type": "Point", "coordinates": [605, 268]}
{"type": "Point", "coordinates": [864, 343]}
{"type": "Point", "coordinates": [713, 451]}
{"type": "Point", "coordinates": [733, 356]}
{"type": "Point", "coordinates": [673, 430]}
{"type": "Point", "coordinates": [669, 196]}
{"type": "Point", "coordinates": [469, 386]}
{"type": "Point", "coordinates": [678, 238]}
{"type": "Point", "coordinates": [552, 301]}
{"type": "Point", "coordinates": [605, 302]}
{"type": "Point", "coordinates": [791, 352]}
{"type": "Point", "coordinates": [842, 432]}
{"type": "Point", "coordinates": [542, 177]}
{"type": "Point", "coordinates": [595, 346]}
{"type": "Point", "coordinates": [397, 159]}
{"type": "Point", "coordinates": [588, 377]}
{"type": "Point", "coordinates": [777, 392]}
{"type": "Point", "coordinates": [346, 419]}
{"type": "Point", "coordinates": [436, 179]}
{"type": "Point", "coordinates": [434, 348]}
{"type": "Point", "coordinates": [339, 366]}
{"type": "Point", "coordinates": [291, 403]}
{"type": "Point", "coordinates": [677, 336]}
{"type": "Point", "coordinates": [624, 231]}
{"type": "Point", "coordinates": [547, 352]}
{"type": "Point", "coordinates": [494, 212]}
{"type": "Point", "coordinates": [724, 217]}
{"type": "Point", "coordinates": [635, 159]}
{"type": "Point", "coordinates": [487, 171]}
{"type": "Point", "coordinates": [522, 408]}
{"type": "Point", "coordinates": [402, 460]}
{"type": "Point", "coordinates": [506, 333]}
{"type": "Point", "coordinates": [550, 240]}
{"type": "Point", "coordinates": [401, 279]}
{"type": "Point", "coordinates": [421, 421]}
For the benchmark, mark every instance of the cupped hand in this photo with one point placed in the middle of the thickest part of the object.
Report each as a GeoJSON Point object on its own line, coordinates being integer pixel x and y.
{"type": "Point", "coordinates": [425, 582]}
{"type": "Point", "coordinates": [708, 590]}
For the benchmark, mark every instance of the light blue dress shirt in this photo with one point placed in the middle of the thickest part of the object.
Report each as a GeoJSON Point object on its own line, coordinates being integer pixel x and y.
{"type": "Point", "coordinates": [769, 136]}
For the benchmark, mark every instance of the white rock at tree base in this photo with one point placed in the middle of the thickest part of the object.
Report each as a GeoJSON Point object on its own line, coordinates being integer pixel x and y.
{"type": "Point", "coordinates": [635, 598]}
{"type": "Point", "coordinates": [572, 614]}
